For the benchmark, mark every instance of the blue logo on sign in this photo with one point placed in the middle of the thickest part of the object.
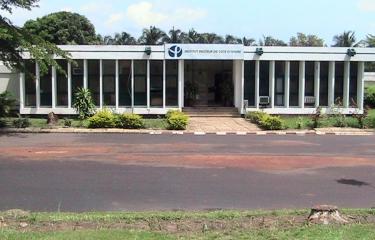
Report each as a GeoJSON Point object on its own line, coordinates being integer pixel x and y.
{"type": "Point", "coordinates": [175, 51]}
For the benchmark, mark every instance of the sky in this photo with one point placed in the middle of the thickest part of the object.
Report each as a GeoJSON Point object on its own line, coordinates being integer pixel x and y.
{"type": "Point", "coordinates": [250, 18]}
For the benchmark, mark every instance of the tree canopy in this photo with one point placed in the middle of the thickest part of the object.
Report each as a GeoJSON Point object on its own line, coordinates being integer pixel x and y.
{"type": "Point", "coordinates": [345, 39]}
{"type": "Point", "coordinates": [303, 40]}
{"type": "Point", "coordinates": [63, 28]}
{"type": "Point", "coordinates": [152, 36]}
{"type": "Point", "coordinates": [271, 41]}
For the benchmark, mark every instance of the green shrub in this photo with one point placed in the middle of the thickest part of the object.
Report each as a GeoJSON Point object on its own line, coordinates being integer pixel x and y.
{"type": "Point", "coordinates": [129, 121]}
{"type": "Point", "coordinates": [102, 119]}
{"type": "Point", "coordinates": [370, 96]}
{"type": "Point", "coordinates": [21, 122]}
{"type": "Point", "coordinates": [7, 102]}
{"type": "Point", "coordinates": [256, 117]}
{"type": "Point", "coordinates": [83, 103]}
{"type": "Point", "coordinates": [67, 122]}
{"type": "Point", "coordinates": [369, 122]}
{"type": "Point", "coordinates": [170, 112]}
{"type": "Point", "coordinates": [3, 123]}
{"type": "Point", "coordinates": [177, 120]}
{"type": "Point", "coordinates": [271, 123]}
{"type": "Point", "coordinates": [339, 120]}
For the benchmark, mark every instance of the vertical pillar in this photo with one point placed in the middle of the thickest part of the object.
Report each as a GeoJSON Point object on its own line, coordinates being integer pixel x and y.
{"type": "Point", "coordinates": [360, 85]}
{"type": "Point", "coordinates": [181, 80]}
{"type": "Point", "coordinates": [346, 84]}
{"type": "Point", "coordinates": [301, 91]}
{"type": "Point", "coordinates": [22, 90]}
{"type": "Point", "coordinates": [287, 84]}
{"type": "Point", "coordinates": [317, 83]}
{"type": "Point", "coordinates": [116, 85]}
{"type": "Point", "coordinates": [101, 83]}
{"type": "Point", "coordinates": [272, 84]}
{"type": "Point", "coordinates": [37, 85]}
{"type": "Point", "coordinates": [331, 84]}
{"type": "Point", "coordinates": [132, 84]}
{"type": "Point", "coordinates": [257, 77]}
{"type": "Point", "coordinates": [85, 74]}
{"type": "Point", "coordinates": [148, 83]}
{"type": "Point", "coordinates": [54, 87]}
{"type": "Point", "coordinates": [242, 85]}
{"type": "Point", "coordinates": [69, 85]}
{"type": "Point", "coordinates": [164, 83]}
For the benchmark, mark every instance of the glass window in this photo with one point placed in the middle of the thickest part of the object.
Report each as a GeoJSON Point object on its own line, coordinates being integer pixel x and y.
{"type": "Point", "coordinates": [109, 82]}
{"type": "Point", "coordinates": [30, 81]}
{"type": "Point", "coordinates": [77, 76]}
{"type": "Point", "coordinates": [294, 84]}
{"type": "Point", "coordinates": [339, 83]}
{"type": "Point", "coordinates": [249, 91]}
{"type": "Point", "coordinates": [93, 77]}
{"type": "Point", "coordinates": [264, 80]}
{"type": "Point", "coordinates": [171, 97]}
{"type": "Point", "coordinates": [156, 83]}
{"type": "Point", "coordinates": [353, 84]}
{"type": "Point", "coordinates": [124, 84]}
{"type": "Point", "coordinates": [140, 83]}
{"type": "Point", "coordinates": [309, 81]}
{"type": "Point", "coordinates": [46, 88]}
{"type": "Point", "coordinates": [62, 84]}
{"type": "Point", "coordinates": [323, 91]}
{"type": "Point", "coordinates": [279, 83]}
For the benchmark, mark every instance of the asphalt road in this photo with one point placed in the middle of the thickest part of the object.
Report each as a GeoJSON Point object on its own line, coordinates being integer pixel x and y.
{"type": "Point", "coordinates": [109, 172]}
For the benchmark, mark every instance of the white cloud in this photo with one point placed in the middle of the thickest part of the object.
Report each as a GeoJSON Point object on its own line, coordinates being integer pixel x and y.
{"type": "Point", "coordinates": [115, 18]}
{"type": "Point", "coordinates": [366, 5]}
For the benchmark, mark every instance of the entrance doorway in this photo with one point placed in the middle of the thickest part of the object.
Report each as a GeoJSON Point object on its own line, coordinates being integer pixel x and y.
{"type": "Point", "coordinates": [208, 83]}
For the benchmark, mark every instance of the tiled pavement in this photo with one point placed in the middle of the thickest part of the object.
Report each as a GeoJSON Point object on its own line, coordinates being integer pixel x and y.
{"type": "Point", "coordinates": [220, 124]}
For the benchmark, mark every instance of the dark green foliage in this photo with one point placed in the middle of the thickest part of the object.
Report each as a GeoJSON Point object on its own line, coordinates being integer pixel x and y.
{"type": "Point", "coordinates": [63, 28]}
{"type": "Point", "coordinates": [129, 121]}
{"type": "Point", "coordinates": [256, 117]}
{"type": "Point", "coordinates": [370, 96]}
{"type": "Point", "coordinates": [152, 36]}
{"type": "Point", "coordinates": [271, 123]}
{"type": "Point", "coordinates": [21, 122]}
{"type": "Point", "coordinates": [7, 103]}
{"type": "Point", "coordinates": [303, 40]}
{"type": "Point", "coordinates": [67, 122]}
{"type": "Point", "coordinates": [102, 119]}
{"type": "Point", "coordinates": [177, 120]}
{"type": "Point", "coordinates": [83, 103]}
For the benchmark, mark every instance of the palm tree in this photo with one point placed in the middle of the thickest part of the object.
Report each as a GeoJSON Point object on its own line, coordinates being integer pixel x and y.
{"type": "Point", "coordinates": [230, 39]}
{"type": "Point", "coordinates": [124, 38]}
{"type": "Point", "coordinates": [211, 38]}
{"type": "Point", "coordinates": [248, 41]}
{"type": "Point", "coordinates": [345, 39]}
{"type": "Point", "coordinates": [191, 37]}
{"type": "Point", "coordinates": [370, 40]}
{"type": "Point", "coordinates": [175, 36]}
{"type": "Point", "coordinates": [152, 36]}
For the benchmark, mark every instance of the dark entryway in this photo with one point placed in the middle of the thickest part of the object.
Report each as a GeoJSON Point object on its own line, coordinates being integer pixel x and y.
{"type": "Point", "coordinates": [208, 83]}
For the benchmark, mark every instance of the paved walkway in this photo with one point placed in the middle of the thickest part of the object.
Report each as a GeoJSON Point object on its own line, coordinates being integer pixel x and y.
{"type": "Point", "coordinates": [220, 124]}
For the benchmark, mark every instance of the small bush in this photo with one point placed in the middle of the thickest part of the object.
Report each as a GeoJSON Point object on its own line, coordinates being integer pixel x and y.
{"type": "Point", "coordinates": [171, 112]}
{"type": "Point", "coordinates": [177, 120]}
{"type": "Point", "coordinates": [129, 121]}
{"type": "Point", "coordinates": [21, 122]}
{"type": "Point", "coordinates": [83, 103]}
{"type": "Point", "coordinates": [102, 119]}
{"type": "Point", "coordinates": [369, 122]}
{"type": "Point", "coordinates": [7, 102]}
{"type": "Point", "coordinates": [271, 123]}
{"type": "Point", "coordinates": [256, 117]}
{"type": "Point", "coordinates": [370, 96]}
{"type": "Point", "coordinates": [339, 121]}
{"type": "Point", "coordinates": [67, 122]}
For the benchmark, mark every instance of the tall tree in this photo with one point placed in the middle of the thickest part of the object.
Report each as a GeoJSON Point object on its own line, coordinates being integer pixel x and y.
{"type": "Point", "coordinates": [123, 38]}
{"type": "Point", "coordinates": [345, 39]}
{"type": "Point", "coordinates": [248, 41]}
{"type": "Point", "coordinates": [211, 38]}
{"type": "Point", "coordinates": [303, 40]}
{"type": "Point", "coordinates": [270, 41]}
{"type": "Point", "coordinates": [15, 40]}
{"type": "Point", "coordinates": [152, 36]}
{"type": "Point", "coordinates": [190, 37]}
{"type": "Point", "coordinates": [63, 28]}
{"type": "Point", "coordinates": [230, 39]}
{"type": "Point", "coordinates": [175, 36]}
{"type": "Point", "coordinates": [370, 40]}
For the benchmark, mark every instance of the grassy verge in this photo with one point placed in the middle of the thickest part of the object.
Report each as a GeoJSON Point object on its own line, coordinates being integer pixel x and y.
{"type": "Point", "coordinates": [283, 224]}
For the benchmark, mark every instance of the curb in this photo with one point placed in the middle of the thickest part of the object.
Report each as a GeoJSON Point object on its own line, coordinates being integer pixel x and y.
{"type": "Point", "coordinates": [166, 132]}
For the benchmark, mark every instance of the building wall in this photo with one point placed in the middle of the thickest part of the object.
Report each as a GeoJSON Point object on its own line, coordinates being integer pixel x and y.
{"type": "Point", "coordinates": [9, 81]}
{"type": "Point", "coordinates": [369, 79]}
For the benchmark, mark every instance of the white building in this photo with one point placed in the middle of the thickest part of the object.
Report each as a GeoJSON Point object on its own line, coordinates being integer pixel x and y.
{"type": "Point", "coordinates": [154, 79]}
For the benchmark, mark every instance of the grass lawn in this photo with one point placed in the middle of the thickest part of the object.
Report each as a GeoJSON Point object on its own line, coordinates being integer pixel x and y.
{"type": "Point", "coordinates": [282, 224]}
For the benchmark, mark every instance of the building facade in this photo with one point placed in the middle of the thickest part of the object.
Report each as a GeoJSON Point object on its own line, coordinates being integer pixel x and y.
{"type": "Point", "coordinates": [155, 79]}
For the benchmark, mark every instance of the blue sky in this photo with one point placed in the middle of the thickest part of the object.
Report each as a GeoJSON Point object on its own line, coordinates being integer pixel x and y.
{"type": "Point", "coordinates": [250, 18]}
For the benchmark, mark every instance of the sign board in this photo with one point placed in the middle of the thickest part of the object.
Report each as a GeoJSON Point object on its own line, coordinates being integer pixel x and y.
{"type": "Point", "coordinates": [204, 51]}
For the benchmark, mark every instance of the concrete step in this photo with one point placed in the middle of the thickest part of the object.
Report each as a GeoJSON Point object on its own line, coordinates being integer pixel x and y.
{"type": "Point", "coordinates": [211, 112]}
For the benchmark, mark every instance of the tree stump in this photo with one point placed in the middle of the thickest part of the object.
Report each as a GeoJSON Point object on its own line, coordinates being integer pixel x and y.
{"type": "Point", "coordinates": [326, 214]}
{"type": "Point", "coordinates": [52, 118]}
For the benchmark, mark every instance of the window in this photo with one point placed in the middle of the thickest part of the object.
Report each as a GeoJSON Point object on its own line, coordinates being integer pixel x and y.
{"type": "Point", "coordinates": [140, 83]}
{"type": "Point", "coordinates": [124, 84]}
{"type": "Point", "coordinates": [353, 84]}
{"type": "Point", "coordinates": [46, 89]}
{"type": "Point", "coordinates": [309, 81]}
{"type": "Point", "coordinates": [279, 83]}
{"type": "Point", "coordinates": [93, 77]}
{"type": "Point", "coordinates": [323, 91]}
{"type": "Point", "coordinates": [249, 91]}
{"type": "Point", "coordinates": [171, 97]}
{"type": "Point", "coordinates": [294, 84]}
{"type": "Point", "coordinates": [109, 82]}
{"type": "Point", "coordinates": [156, 83]}
{"type": "Point", "coordinates": [30, 81]}
{"type": "Point", "coordinates": [62, 84]}
{"type": "Point", "coordinates": [77, 76]}
{"type": "Point", "coordinates": [264, 72]}
{"type": "Point", "coordinates": [339, 83]}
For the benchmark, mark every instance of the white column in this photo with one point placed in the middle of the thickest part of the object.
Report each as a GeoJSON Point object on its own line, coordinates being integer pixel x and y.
{"type": "Point", "coordinates": [346, 84]}
{"type": "Point", "coordinates": [317, 83]}
{"type": "Point", "coordinates": [69, 85]}
{"type": "Point", "coordinates": [54, 87]}
{"type": "Point", "coordinates": [22, 90]}
{"type": "Point", "coordinates": [181, 81]}
{"type": "Point", "coordinates": [116, 86]}
{"type": "Point", "coordinates": [85, 74]}
{"type": "Point", "coordinates": [148, 83]}
{"type": "Point", "coordinates": [132, 84]}
{"type": "Point", "coordinates": [287, 84]}
{"type": "Point", "coordinates": [242, 85]}
{"type": "Point", "coordinates": [257, 77]}
{"type": "Point", "coordinates": [164, 83]}
{"type": "Point", "coordinates": [360, 84]}
{"type": "Point", "coordinates": [272, 84]}
{"type": "Point", "coordinates": [301, 91]}
{"type": "Point", "coordinates": [331, 84]}
{"type": "Point", "coordinates": [101, 83]}
{"type": "Point", "coordinates": [37, 85]}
